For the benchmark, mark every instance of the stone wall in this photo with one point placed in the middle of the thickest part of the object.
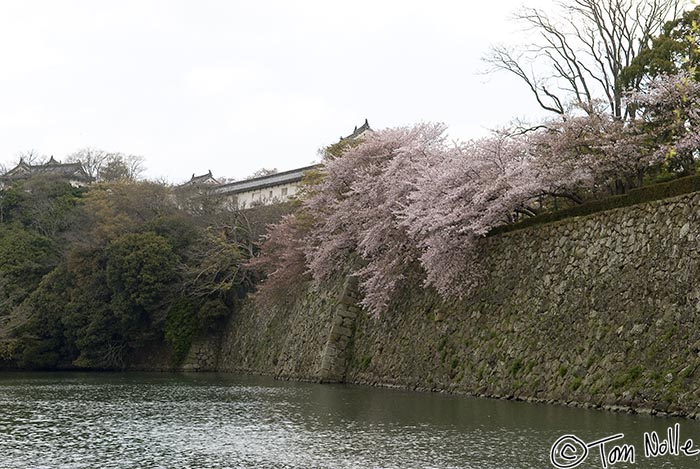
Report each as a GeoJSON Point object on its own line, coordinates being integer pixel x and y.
{"type": "Point", "coordinates": [203, 354]}
{"type": "Point", "coordinates": [337, 351]}
{"type": "Point", "coordinates": [286, 342]}
{"type": "Point", "coordinates": [602, 310]}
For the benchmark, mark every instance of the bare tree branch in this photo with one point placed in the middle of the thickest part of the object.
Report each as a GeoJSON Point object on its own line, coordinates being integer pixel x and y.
{"type": "Point", "coordinates": [502, 59]}
{"type": "Point", "coordinates": [31, 157]}
{"type": "Point", "coordinates": [584, 51]}
{"type": "Point", "coordinates": [92, 159]}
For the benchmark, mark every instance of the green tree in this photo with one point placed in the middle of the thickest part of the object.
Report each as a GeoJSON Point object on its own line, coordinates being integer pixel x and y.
{"type": "Point", "coordinates": [25, 257]}
{"type": "Point", "coordinates": [88, 316]}
{"type": "Point", "coordinates": [90, 277]}
{"type": "Point", "coordinates": [42, 339]}
{"type": "Point", "coordinates": [120, 167]}
{"type": "Point", "coordinates": [114, 209]}
{"type": "Point", "coordinates": [120, 298]}
{"type": "Point", "coordinates": [9, 199]}
{"type": "Point", "coordinates": [44, 204]}
{"type": "Point", "coordinates": [141, 268]}
{"type": "Point", "coordinates": [180, 327]}
{"type": "Point", "coordinates": [676, 49]}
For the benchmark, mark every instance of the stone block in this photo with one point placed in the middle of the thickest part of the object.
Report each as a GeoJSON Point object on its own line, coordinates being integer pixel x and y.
{"type": "Point", "coordinates": [343, 331]}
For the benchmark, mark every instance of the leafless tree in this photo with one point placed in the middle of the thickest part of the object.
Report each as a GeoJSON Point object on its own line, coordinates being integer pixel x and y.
{"type": "Point", "coordinates": [92, 159]}
{"type": "Point", "coordinates": [31, 157]}
{"type": "Point", "coordinates": [220, 256]}
{"type": "Point", "coordinates": [135, 164]}
{"type": "Point", "coordinates": [577, 56]}
{"type": "Point", "coordinates": [106, 166]}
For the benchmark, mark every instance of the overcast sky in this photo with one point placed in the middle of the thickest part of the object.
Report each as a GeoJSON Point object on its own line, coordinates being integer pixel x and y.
{"type": "Point", "coordinates": [235, 86]}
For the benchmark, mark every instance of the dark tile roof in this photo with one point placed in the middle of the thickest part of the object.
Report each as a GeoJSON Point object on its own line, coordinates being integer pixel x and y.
{"type": "Point", "coordinates": [51, 168]}
{"type": "Point", "coordinates": [359, 131]}
{"type": "Point", "coordinates": [286, 177]}
{"type": "Point", "coordinates": [203, 179]}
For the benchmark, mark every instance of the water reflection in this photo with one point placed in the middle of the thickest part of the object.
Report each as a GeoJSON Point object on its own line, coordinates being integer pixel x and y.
{"type": "Point", "coordinates": [73, 420]}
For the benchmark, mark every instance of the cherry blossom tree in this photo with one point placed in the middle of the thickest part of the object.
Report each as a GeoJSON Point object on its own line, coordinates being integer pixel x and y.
{"type": "Point", "coordinates": [479, 185]}
{"type": "Point", "coordinates": [283, 259]}
{"type": "Point", "coordinates": [407, 201]}
{"type": "Point", "coordinates": [358, 207]}
{"type": "Point", "coordinates": [670, 120]}
{"type": "Point", "coordinates": [609, 150]}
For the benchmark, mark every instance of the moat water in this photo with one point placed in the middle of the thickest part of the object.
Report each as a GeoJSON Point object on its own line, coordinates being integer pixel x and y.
{"type": "Point", "coordinates": [210, 421]}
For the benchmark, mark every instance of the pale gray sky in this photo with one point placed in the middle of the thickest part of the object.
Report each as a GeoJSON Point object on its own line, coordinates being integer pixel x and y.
{"type": "Point", "coordinates": [234, 86]}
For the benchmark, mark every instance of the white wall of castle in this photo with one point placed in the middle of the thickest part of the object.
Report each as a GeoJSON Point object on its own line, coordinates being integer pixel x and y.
{"type": "Point", "coordinates": [266, 196]}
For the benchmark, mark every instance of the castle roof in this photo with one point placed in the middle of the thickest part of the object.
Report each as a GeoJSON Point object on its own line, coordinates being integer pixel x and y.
{"type": "Point", "coordinates": [359, 131]}
{"type": "Point", "coordinates": [262, 182]}
{"type": "Point", "coordinates": [51, 168]}
{"type": "Point", "coordinates": [206, 178]}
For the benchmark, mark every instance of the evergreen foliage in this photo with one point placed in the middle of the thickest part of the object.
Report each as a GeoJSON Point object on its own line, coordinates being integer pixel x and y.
{"type": "Point", "coordinates": [89, 277]}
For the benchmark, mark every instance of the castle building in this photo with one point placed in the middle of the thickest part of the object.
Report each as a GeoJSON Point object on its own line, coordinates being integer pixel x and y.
{"type": "Point", "coordinates": [263, 190]}
{"type": "Point", "coordinates": [72, 173]}
{"type": "Point", "coordinates": [201, 181]}
{"type": "Point", "coordinates": [359, 131]}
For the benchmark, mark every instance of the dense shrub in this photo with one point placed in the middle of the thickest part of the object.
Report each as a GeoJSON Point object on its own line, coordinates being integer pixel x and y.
{"type": "Point", "coordinates": [137, 270]}
{"type": "Point", "coordinates": [180, 328]}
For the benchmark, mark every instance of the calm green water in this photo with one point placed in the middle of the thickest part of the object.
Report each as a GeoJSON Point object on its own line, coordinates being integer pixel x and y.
{"type": "Point", "coordinates": [68, 420]}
